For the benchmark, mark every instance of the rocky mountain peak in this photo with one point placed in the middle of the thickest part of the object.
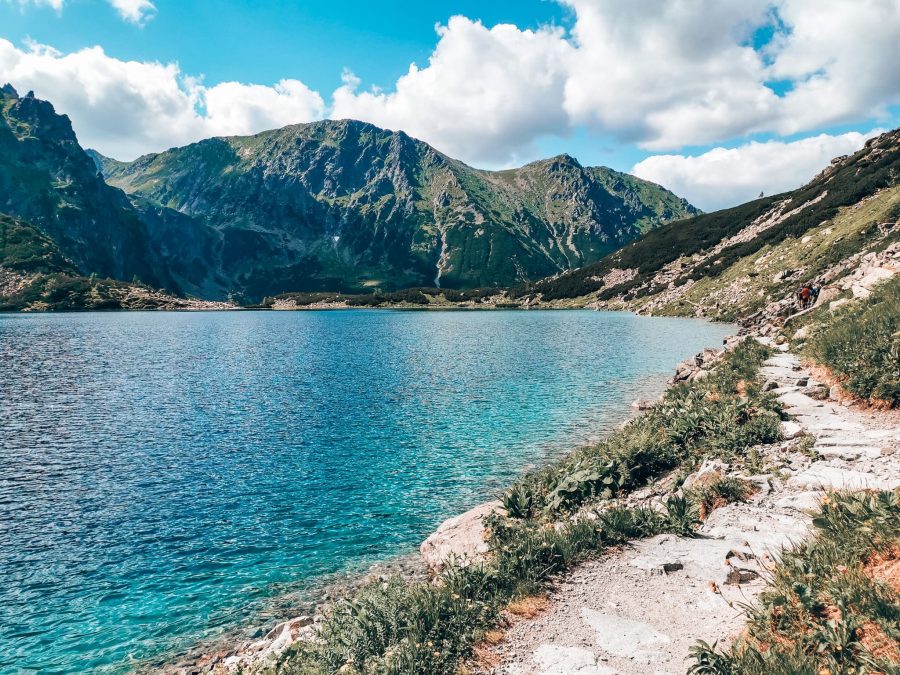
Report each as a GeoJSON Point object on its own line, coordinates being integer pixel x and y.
{"type": "Point", "coordinates": [9, 90]}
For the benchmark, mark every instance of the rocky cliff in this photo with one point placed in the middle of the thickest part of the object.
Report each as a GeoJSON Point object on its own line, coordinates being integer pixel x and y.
{"type": "Point", "coordinates": [344, 205]}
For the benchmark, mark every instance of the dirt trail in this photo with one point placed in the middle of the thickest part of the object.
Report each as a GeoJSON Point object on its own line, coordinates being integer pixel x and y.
{"type": "Point", "coordinates": [638, 611]}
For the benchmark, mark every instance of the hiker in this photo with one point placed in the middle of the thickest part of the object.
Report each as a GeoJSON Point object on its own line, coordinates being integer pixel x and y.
{"type": "Point", "coordinates": [803, 295]}
{"type": "Point", "coordinates": [816, 288]}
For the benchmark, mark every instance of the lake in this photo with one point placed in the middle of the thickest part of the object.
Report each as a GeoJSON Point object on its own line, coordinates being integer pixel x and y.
{"type": "Point", "coordinates": [166, 477]}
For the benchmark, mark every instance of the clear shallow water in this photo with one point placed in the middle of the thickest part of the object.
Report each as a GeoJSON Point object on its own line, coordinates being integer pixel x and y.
{"type": "Point", "coordinates": [163, 474]}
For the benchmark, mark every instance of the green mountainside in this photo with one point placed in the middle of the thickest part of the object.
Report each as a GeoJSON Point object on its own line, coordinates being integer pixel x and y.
{"type": "Point", "coordinates": [36, 276]}
{"type": "Point", "coordinates": [329, 206]}
{"type": "Point", "coordinates": [346, 206]}
{"type": "Point", "coordinates": [741, 261]}
{"type": "Point", "coordinates": [47, 180]}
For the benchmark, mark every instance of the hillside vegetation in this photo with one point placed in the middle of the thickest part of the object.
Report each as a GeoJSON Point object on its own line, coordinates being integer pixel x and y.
{"type": "Point", "coordinates": [36, 276]}
{"type": "Point", "coordinates": [860, 344]}
{"type": "Point", "coordinates": [346, 206]}
{"type": "Point", "coordinates": [732, 263]}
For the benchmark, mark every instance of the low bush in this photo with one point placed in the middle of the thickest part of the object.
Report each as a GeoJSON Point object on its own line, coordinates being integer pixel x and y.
{"type": "Point", "coordinates": [861, 345]}
{"type": "Point", "coordinates": [833, 605]}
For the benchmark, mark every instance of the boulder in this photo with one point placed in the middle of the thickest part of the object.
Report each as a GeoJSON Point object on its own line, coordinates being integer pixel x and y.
{"type": "Point", "coordinates": [709, 473]}
{"type": "Point", "coordinates": [801, 333]}
{"type": "Point", "coordinates": [461, 537]}
{"type": "Point", "coordinates": [791, 430]}
{"type": "Point", "coordinates": [827, 294]}
{"type": "Point", "coordinates": [837, 304]}
{"type": "Point", "coordinates": [699, 375]}
{"type": "Point", "coordinates": [642, 404]}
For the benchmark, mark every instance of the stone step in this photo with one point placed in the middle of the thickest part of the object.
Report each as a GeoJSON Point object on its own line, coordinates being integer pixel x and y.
{"type": "Point", "coordinates": [626, 638]}
{"type": "Point", "coordinates": [826, 439]}
{"type": "Point", "coordinates": [820, 476]}
{"type": "Point", "coordinates": [848, 452]}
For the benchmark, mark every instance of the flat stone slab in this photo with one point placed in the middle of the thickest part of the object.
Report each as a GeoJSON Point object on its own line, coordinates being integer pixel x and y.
{"type": "Point", "coordinates": [782, 361]}
{"type": "Point", "coordinates": [556, 660]}
{"type": "Point", "coordinates": [843, 439]}
{"type": "Point", "coordinates": [702, 559]}
{"type": "Point", "coordinates": [624, 637]}
{"type": "Point", "coordinates": [848, 451]}
{"type": "Point", "coordinates": [823, 477]}
{"type": "Point", "coordinates": [797, 400]}
{"type": "Point", "coordinates": [805, 502]}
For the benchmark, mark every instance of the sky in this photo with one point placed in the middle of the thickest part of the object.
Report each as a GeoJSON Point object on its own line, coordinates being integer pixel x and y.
{"type": "Point", "coordinates": [718, 100]}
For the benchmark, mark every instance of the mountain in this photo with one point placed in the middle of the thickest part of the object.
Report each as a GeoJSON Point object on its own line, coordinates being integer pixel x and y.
{"type": "Point", "coordinates": [48, 180]}
{"type": "Point", "coordinates": [745, 262]}
{"type": "Point", "coordinates": [36, 276]}
{"type": "Point", "coordinates": [344, 205]}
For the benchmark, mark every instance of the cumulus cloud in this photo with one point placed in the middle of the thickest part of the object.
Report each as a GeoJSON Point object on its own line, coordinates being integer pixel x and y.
{"type": "Point", "coordinates": [127, 108]}
{"type": "Point", "coordinates": [724, 177]}
{"type": "Point", "coordinates": [55, 4]}
{"type": "Point", "coordinates": [485, 95]}
{"type": "Point", "coordinates": [661, 74]}
{"type": "Point", "coordinates": [135, 11]}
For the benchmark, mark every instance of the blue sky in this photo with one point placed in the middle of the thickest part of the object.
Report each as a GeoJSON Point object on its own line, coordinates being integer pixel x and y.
{"type": "Point", "coordinates": [704, 97]}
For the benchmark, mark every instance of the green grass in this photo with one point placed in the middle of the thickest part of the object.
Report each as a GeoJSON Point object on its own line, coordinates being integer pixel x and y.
{"type": "Point", "coordinates": [861, 345]}
{"type": "Point", "coordinates": [398, 627]}
{"type": "Point", "coordinates": [832, 605]}
{"type": "Point", "coordinates": [25, 249]}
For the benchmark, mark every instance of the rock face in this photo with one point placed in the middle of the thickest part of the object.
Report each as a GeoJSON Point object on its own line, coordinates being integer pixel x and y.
{"type": "Point", "coordinates": [342, 205]}
{"type": "Point", "coordinates": [461, 537]}
{"type": "Point", "coordinates": [47, 180]}
{"type": "Point", "coordinates": [332, 205]}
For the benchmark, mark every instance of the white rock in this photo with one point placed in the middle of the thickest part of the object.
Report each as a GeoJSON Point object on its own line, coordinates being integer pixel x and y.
{"type": "Point", "coordinates": [711, 471]}
{"type": "Point", "coordinates": [823, 477]}
{"type": "Point", "coordinates": [558, 660]}
{"type": "Point", "coordinates": [805, 502]}
{"type": "Point", "coordinates": [791, 430]}
{"type": "Point", "coordinates": [461, 537]}
{"type": "Point", "coordinates": [624, 637]}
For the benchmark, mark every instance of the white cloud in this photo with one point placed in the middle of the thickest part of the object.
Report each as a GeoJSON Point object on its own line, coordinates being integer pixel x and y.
{"type": "Point", "coordinates": [127, 108]}
{"type": "Point", "coordinates": [135, 11]}
{"type": "Point", "coordinates": [724, 177]}
{"type": "Point", "coordinates": [661, 74]}
{"type": "Point", "coordinates": [485, 95]}
{"type": "Point", "coordinates": [54, 4]}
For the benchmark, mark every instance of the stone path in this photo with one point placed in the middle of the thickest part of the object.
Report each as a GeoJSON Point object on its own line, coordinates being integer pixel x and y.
{"type": "Point", "coordinates": [638, 611]}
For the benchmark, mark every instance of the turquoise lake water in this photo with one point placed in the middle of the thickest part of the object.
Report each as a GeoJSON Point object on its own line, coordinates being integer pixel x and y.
{"type": "Point", "coordinates": [165, 476]}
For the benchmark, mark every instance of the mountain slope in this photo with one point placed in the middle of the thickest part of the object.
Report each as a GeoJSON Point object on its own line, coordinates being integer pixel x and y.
{"type": "Point", "coordinates": [736, 262]}
{"type": "Point", "coordinates": [48, 180]}
{"type": "Point", "coordinates": [344, 205]}
{"type": "Point", "coordinates": [36, 276]}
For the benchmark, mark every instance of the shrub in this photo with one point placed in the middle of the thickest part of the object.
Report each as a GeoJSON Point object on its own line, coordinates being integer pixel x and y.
{"type": "Point", "coordinates": [861, 345]}
{"type": "Point", "coordinates": [828, 608]}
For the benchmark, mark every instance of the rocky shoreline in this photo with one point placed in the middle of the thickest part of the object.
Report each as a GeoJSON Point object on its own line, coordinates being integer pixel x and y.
{"type": "Point", "coordinates": [462, 537]}
{"type": "Point", "coordinates": [253, 648]}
